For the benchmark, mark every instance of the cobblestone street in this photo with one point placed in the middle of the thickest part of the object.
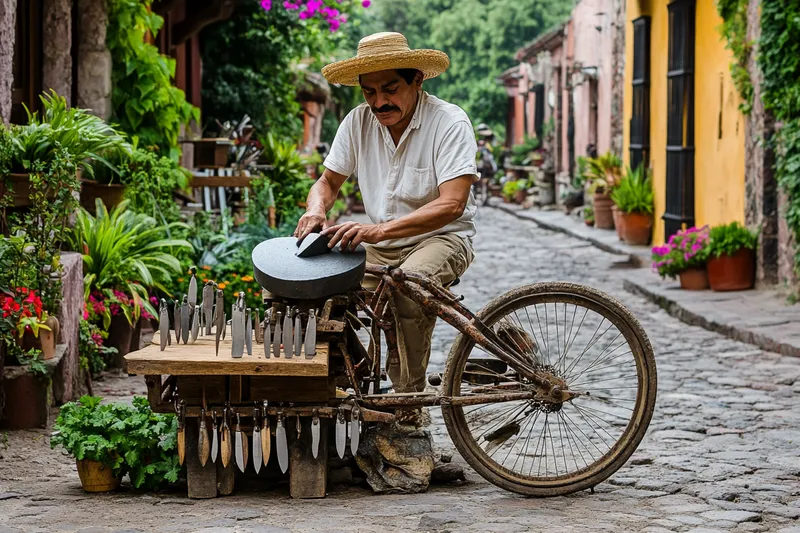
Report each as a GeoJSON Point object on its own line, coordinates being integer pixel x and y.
{"type": "Point", "coordinates": [722, 452]}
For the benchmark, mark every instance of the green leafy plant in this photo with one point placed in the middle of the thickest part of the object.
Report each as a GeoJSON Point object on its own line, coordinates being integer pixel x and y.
{"type": "Point", "coordinates": [689, 248]}
{"type": "Point", "coordinates": [730, 238]}
{"type": "Point", "coordinates": [734, 30]}
{"type": "Point", "coordinates": [588, 213]}
{"type": "Point", "coordinates": [290, 183]}
{"type": "Point", "coordinates": [145, 102]}
{"type": "Point", "coordinates": [523, 154]}
{"type": "Point", "coordinates": [603, 172]}
{"type": "Point", "coordinates": [128, 439]}
{"type": "Point", "coordinates": [510, 188]}
{"type": "Point", "coordinates": [634, 192]}
{"type": "Point", "coordinates": [92, 352]}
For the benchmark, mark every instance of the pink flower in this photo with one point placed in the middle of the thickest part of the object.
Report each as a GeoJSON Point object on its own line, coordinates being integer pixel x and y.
{"type": "Point", "coordinates": [365, 3]}
{"type": "Point", "coordinates": [266, 4]}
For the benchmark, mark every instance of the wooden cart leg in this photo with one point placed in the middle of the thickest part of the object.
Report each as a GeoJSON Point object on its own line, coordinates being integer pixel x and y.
{"type": "Point", "coordinates": [308, 477]}
{"type": "Point", "coordinates": [225, 477]}
{"type": "Point", "coordinates": [202, 480]}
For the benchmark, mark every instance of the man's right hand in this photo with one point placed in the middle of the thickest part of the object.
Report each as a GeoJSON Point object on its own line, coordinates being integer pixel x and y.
{"type": "Point", "coordinates": [313, 220]}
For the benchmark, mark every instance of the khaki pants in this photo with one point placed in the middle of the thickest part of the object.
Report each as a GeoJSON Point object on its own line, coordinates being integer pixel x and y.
{"type": "Point", "coordinates": [442, 257]}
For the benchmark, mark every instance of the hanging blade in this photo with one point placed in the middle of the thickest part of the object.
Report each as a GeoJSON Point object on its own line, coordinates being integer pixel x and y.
{"type": "Point", "coordinates": [182, 432]}
{"type": "Point", "coordinates": [281, 444]}
{"type": "Point", "coordinates": [355, 431]}
{"type": "Point", "coordinates": [185, 323]}
{"type": "Point", "coordinates": [163, 324]}
{"type": "Point", "coordinates": [219, 317]}
{"type": "Point", "coordinates": [257, 456]}
{"type": "Point", "coordinates": [203, 449]}
{"type": "Point", "coordinates": [192, 301]}
{"type": "Point", "coordinates": [298, 337]}
{"type": "Point", "coordinates": [225, 327]}
{"type": "Point", "coordinates": [287, 334]}
{"type": "Point", "coordinates": [208, 306]}
{"type": "Point", "coordinates": [266, 438]}
{"type": "Point", "coordinates": [341, 434]}
{"type": "Point", "coordinates": [267, 336]}
{"type": "Point", "coordinates": [276, 343]}
{"type": "Point", "coordinates": [176, 322]}
{"type": "Point", "coordinates": [195, 323]}
{"type": "Point", "coordinates": [225, 440]}
{"type": "Point", "coordinates": [311, 334]}
{"type": "Point", "coordinates": [315, 435]}
{"type": "Point", "coordinates": [214, 438]}
{"type": "Point", "coordinates": [248, 331]}
{"type": "Point", "coordinates": [237, 327]}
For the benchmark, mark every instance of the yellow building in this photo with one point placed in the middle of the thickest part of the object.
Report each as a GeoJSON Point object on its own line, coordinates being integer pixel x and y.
{"type": "Point", "coordinates": [682, 116]}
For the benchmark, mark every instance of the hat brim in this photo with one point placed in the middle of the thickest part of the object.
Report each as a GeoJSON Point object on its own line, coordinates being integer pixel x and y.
{"type": "Point", "coordinates": [346, 72]}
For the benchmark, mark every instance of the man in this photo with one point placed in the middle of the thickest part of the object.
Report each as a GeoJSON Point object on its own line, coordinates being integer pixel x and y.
{"type": "Point", "coordinates": [414, 156]}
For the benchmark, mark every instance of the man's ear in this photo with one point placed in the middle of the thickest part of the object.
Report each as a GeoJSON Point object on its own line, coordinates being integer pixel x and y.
{"type": "Point", "coordinates": [418, 79]}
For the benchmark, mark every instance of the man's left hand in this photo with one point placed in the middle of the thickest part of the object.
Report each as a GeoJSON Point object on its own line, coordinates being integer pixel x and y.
{"type": "Point", "coordinates": [350, 234]}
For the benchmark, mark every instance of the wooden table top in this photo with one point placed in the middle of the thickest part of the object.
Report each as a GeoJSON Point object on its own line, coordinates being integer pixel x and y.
{"type": "Point", "coordinates": [200, 358]}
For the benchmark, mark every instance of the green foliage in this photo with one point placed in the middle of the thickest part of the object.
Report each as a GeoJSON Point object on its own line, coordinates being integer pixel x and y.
{"type": "Point", "coordinates": [730, 238]}
{"type": "Point", "coordinates": [145, 102]}
{"type": "Point", "coordinates": [288, 178]}
{"type": "Point", "coordinates": [588, 213]}
{"type": "Point", "coordinates": [734, 30]}
{"type": "Point", "coordinates": [779, 61]}
{"type": "Point", "coordinates": [634, 192]}
{"type": "Point", "coordinates": [522, 154]}
{"type": "Point", "coordinates": [151, 180]}
{"type": "Point", "coordinates": [510, 188]}
{"type": "Point", "coordinates": [689, 248]}
{"type": "Point", "coordinates": [129, 439]}
{"type": "Point", "coordinates": [603, 172]}
{"type": "Point", "coordinates": [91, 350]}
{"type": "Point", "coordinates": [128, 251]}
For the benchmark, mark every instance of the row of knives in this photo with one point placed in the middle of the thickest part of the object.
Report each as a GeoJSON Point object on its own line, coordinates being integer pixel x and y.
{"type": "Point", "coordinates": [227, 439]}
{"type": "Point", "coordinates": [191, 320]}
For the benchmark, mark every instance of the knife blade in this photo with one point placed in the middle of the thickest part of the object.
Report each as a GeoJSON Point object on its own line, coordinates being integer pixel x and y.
{"type": "Point", "coordinates": [298, 332]}
{"type": "Point", "coordinates": [193, 290]}
{"type": "Point", "coordinates": [281, 446]}
{"type": "Point", "coordinates": [219, 317]}
{"type": "Point", "coordinates": [276, 343]}
{"type": "Point", "coordinates": [185, 324]}
{"type": "Point", "coordinates": [225, 440]}
{"type": "Point", "coordinates": [311, 334]}
{"type": "Point", "coordinates": [237, 435]}
{"type": "Point", "coordinates": [315, 435]}
{"type": "Point", "coordinates": [163, 324]}
{"type": "Point", "coordinates": [214, 438]}
{"type": "Point", "coordinates": [266, 438]}
{"type": "Point", "coordinates": [182, 432]}
{"type": "Point", "coordinates": [341, 434]}
{"type": "Point", "coordinates": [203, 450]}
{"type": "Point", "coordinates": [176, 312]}
{"type": "Point", "coordinates": [237, 328]}
{"type": "Point", "coordinates": [208, 306]}
{"type": "Point", "coordinates": [287, 334]}
{"type": "Point", "coordinates": [355, 431]}
{"type": "Point", "coordinates": [195, 323]}
{"type": "Point", "coordinates": [225, 327]}
{"type": "Point", "coordinates": [267, 336]}
{"type": "Point", "coordinates": [257, 457]}
{"type": "Point", "coordinates": [248, 331]}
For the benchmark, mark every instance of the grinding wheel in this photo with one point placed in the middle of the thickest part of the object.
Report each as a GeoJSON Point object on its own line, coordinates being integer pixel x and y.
{"type": "Point", "coordinates": [280, 271]}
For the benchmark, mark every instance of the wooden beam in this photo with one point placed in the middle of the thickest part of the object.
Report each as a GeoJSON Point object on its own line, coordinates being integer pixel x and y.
{"type": "Point", "coordinates": [209, 12]}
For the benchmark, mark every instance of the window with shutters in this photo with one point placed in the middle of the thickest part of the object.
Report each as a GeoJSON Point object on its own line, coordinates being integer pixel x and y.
{"type": "Point", "coordinates": [640, 117]}
{"type": "Point", "coordinates": [27, 60]}
{"type": "Point", "coordinates": [680, 118]}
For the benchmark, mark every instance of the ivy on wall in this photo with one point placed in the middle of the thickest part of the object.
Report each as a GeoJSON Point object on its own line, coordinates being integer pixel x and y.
{"type": "Point", "coordinates": [779, 61]}
{"type": "Point", "coordinates": [734, 30]}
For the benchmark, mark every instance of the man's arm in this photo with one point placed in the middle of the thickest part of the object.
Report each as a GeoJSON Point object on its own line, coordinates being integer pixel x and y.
{"type": "Point", "coordinates": [320, 200]}
{"type": "Point", "coordinates": [453, 197]}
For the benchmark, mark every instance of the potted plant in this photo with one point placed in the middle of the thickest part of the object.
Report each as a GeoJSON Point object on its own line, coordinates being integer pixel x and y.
{"type": "Point", "coordinates": [510, 190]}
{"type": "Point", "coordinates": [731, 266]}
{"type": "Point", "coordinates": [588, 215]}
{"type": "Point", "coordinates": [685, 256]}
{"type": "Point", "coordinates": [35, 329]}
{"type": "Point", "coordinates": [633, 196]}
{"type": "Point", "coordinates": [602, 175]}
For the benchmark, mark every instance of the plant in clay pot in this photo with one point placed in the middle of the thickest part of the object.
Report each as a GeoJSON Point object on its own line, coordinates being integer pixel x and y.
{"type": "Point", "coordinates": [731, 266]}
{"type": "Point", "coordinates": [684, 256]}
{"type": "Point", "coordinates": [588, 215]}
{"type": "Point", "coordinates": [602, 174]}
{"type": "Point", "coordinates": [633, 197]}
{"type": "Point", "coordinates": [35, 329]}
{"type": "Point", "coordinates": [512, 188]}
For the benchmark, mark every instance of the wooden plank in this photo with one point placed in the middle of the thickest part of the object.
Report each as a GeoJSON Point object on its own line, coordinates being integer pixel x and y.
{"type": "Point", "coordinates": [221, 181]}
{"type": "Point", "coordinates": [200, 359]}
{"type": "Point", "coordinates": [291, 389]}
{"type": "Point", "coordinates": [225, 477]}
{"type": "Point", "coordinates": [191, 389]}
{"type": "Point", "coordinates": [308, 477]}
{"type": "Point", "coordinates": [201, 480]}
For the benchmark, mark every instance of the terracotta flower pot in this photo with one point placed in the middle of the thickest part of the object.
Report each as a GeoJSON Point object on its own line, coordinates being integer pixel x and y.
{"type": "Point", "coordinates": [603, 218]}
{"type": "Point", "coordinates": [694, 279]}
{"type": "Point", "coordinates": [589, 223]}
{"type": "Point", "coordinates": [96, 477]}
{"type": "Point", "coordinates": [735, 272]}
{"type": "Point", "coordinates": [636, 228]}
{"type": "Point", "coordinates": [46, 341]}
{"type": "Point", "coordinates": [618, 221]}
{"type": "Point", "coordinates": [520, 196]}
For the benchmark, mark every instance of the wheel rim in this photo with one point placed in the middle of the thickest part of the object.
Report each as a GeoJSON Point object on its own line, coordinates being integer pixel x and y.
{"type": "Point", "coordinates": [591, 347]}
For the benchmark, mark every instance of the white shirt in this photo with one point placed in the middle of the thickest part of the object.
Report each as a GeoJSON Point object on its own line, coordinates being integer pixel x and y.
{"type": "Point", "coordinates": [437, 146]}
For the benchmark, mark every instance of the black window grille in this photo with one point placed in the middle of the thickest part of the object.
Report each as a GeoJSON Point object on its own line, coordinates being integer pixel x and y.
{"type": "Point", "coordinates": [680, 117]}
{"type": "Point", "coordinates": [538, 113]}
{"type": "Point", "coordinates": [640, 118]}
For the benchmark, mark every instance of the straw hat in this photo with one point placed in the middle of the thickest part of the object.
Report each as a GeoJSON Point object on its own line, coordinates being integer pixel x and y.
{"type": "Point", "coordinates": [385, 51]}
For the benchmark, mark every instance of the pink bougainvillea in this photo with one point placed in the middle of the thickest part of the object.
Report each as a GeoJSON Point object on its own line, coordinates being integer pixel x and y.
{"type": "Point", "coordinates": [324, 9]}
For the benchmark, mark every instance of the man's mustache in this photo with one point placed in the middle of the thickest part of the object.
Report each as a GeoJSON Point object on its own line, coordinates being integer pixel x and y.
{"type": "Point", "coordinates": [384, 109]}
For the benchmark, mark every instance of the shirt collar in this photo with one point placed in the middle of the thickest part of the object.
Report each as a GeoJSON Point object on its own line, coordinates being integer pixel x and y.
{"type": "Point", "coordinates": [416, 118]}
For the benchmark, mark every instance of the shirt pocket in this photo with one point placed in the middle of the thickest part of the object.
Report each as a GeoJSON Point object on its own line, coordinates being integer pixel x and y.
{"type": "Point", "coordinates": [418, 185]}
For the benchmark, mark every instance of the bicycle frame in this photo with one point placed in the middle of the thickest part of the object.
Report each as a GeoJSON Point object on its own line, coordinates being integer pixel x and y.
{"type": "Point", "coordinates": [438, 300]}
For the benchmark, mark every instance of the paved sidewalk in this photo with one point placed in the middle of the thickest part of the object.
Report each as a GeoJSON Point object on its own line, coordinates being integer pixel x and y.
{"type": "Point", "coordinates": [760, 317]}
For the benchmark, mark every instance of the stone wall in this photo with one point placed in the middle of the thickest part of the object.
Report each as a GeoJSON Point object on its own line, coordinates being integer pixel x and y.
{"type": "Point", "coordinates": [94, 59]}
{"type": "Point", "coordinates": [618, 75]}
{"type": "Point", "coordinates": [56, 47]}
{"type": "Point", "coordinates": [8, 10]}
{"type": "Point", "coordinates": [67, 379]}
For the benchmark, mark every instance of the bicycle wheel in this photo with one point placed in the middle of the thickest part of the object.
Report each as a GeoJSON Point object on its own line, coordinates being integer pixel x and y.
{"type": "Point", "coordinates": [578, 335]}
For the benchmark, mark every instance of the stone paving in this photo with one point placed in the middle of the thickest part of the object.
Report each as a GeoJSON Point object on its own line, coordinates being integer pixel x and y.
{"type": "Point", "coordinates": [721, 454]}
